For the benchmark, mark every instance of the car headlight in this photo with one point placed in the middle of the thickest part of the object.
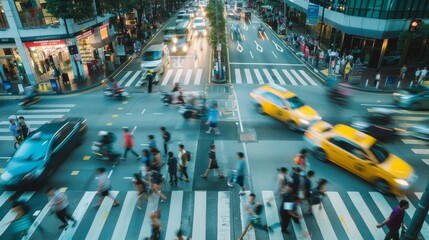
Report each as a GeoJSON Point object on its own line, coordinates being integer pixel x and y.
{"type": "Point", "coordinates": [174, 40]}
{"type": "Point", "coordinates": [6, 176]}
{"type": "Point", "coordinates": [205, 32]}
{"type": "Point", "coordinates": [174, 49]}
{"type": "Point", "coordinates": [402, 183]}
{"type": "Point", "coordinates": [185, 48]}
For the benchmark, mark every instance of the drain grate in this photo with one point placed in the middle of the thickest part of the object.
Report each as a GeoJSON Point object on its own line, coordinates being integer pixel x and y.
{"type": "Point", "coordinates": [249, 135]}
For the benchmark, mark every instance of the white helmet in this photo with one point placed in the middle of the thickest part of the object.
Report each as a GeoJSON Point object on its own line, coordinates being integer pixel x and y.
{"type": "Point", "coordinates": [102, 133]}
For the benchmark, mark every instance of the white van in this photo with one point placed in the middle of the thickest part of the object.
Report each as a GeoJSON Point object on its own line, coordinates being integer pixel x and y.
{"type": "Point", "coordinates": [156, 57]}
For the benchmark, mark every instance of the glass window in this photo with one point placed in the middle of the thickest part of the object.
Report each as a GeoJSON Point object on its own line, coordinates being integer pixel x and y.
{"type": "Point", "coordinates": [33, 13]}
{"type": "Point", "coordinates": [3, 20]}
{"type": "Point", "coordinates": [380, 153]}
{"type": "Point", "coordinates": [33, 149]}
{"type": "Point", "coordinates": [341, 143]}
{"type": "Point", "coordinates": [62, 135]}
{"type": "Point", "coordinates": [295, 102]}
{"type": "Point", "coordinates": [152, 55]}
{"type": "Point", "coordinates": [274, 99]}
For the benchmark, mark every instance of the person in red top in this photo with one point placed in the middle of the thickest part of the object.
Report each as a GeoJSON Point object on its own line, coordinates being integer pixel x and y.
{"type": "Point", "coordinates": [129, 144]}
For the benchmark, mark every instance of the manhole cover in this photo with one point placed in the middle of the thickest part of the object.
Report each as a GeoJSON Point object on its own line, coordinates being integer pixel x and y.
{"type": "Point", "coordinates": [247, 137]}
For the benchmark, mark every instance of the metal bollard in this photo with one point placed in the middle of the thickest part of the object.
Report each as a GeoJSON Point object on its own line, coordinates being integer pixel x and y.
{"type": "Point", "coordinates": [411, 83]}
{"type": "Point", "coordinates": [366, 83]}
{"type": "Point", "coordinates": [399, 85]}
{"type": "Point", "coordinates": [376, 85]}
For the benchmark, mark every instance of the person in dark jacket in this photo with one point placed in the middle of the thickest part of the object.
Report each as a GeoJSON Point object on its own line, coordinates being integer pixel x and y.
{"type": "Point", "coordinates": [172, 168]}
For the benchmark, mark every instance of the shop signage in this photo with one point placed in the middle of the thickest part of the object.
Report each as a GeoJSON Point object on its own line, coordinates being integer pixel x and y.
{"type": "Point", "coordinates": [312, 14]}
{"type": "Point", "coordinates": [120, 50]}
{"type": "Point", "coordinates": [104, 31]}
{"type": "Point", "coordinates": [85, 34]}
{"type": "Point", "coordinates": [45, 43]}
{"type": "Point", "coordinates": [7, 40]}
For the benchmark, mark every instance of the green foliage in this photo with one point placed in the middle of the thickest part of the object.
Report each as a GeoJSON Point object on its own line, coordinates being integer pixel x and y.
{"type": "Point", "coordinates": [422, 32]}
{"type": "Point", "coordinates": [76, 9]}
{"type": "Point", "coordinates": [217, 24]}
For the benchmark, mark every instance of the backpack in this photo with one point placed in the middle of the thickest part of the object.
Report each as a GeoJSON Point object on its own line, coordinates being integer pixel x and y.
{"type": "Point", "coordinates": [188, 155]}
{"type": "Point", "coordinates": [167, 136]}
{"type": "Point", "coordinates": [299, 160]}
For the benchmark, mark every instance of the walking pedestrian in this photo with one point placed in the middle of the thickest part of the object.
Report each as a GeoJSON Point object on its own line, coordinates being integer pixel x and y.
{"type": "Point", "coordinates": [22, 220]}
{"type": "Point", "coordinates": [308, 185]}
{"type": "Point", "coordinates": [24, 127]}
{"type": "Point", "coordinates": [347, 70]}
{"type": "Point", "coordinates": [59, 203]}
{"type": "Point", "coordinates": [172, 168]}
{"type": "Point", "coordinates": [423, 75]}
{"type": "Point", "coordinates": [145, 162]}
{"type": "Point", "coordinates": [157, 180]}
{"type": "Point", "coordinates": [239, 174]}
{"type": "Point", "coordinates": [157, 160]}
{"type": "Point", "coordinates": [213, 163]}
{"type": "Point", "coordinates": [152, 142]}
{"type": "Point", "coordinates": [395, 221]}
{"type": "Point", "coordinates": [403, 72]}
{"type": "Point", "coordinates": [166, 136]}
{"type": "Point", "coordinates": [282, 181]}
{"type": "Point", "coordinates": [213, 115]}
{"type": "Point", "coordinates": [289, 209]}
{"type": "Point", "coordinates": [417, 74]}
{"type": "Point", "coordinates": [301, 160]}
{"type": "Point", "coordinates": [377, 78]}
{"type": "Point", "coordinates": [317, 194]}
{"type": "Point", "coordinates": [129, 144]}
{"type": "Point", "coordinates": [103, 187]}
{"type": "Point", "coordinates": [156, 226]}
{"type": "Point", "coordinates": [180, 236]}
{"type": "Point", "coordinates": [253, 218]}
{"type": "Point", "coordinates": [140, 186]}
{"type": "Point", "coordinates": [184, 157]}
{"type": "Point", "coordinates": [296, 179]}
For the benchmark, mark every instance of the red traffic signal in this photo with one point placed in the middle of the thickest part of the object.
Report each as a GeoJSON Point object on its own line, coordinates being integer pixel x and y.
{"type": "Point", "coordinates": [414, 24]}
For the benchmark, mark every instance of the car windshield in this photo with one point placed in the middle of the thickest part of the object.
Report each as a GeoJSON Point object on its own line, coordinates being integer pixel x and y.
{"type": "Point", "coordinates": [181, 31]}
{"type": "Point", "coordinates": [200, 27]}
{"type": "Point", "coordinates": [169, 31]}
{"type": "Point", "coordinates": [151, 55]}
{"type": "Point", "coordinates": [181, 40]}
{"type": "Point", "coordinates": [379, 152]}
{"type": "Point", "coordinates": [295, 102]}
{"type": "Point", "coordinates": [31, 150]}
{"type": "Point", "coordinates": [198, 20]}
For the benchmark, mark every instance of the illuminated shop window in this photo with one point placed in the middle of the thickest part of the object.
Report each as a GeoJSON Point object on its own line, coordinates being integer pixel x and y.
{"type": "Point", "coordinates": [33, 13]}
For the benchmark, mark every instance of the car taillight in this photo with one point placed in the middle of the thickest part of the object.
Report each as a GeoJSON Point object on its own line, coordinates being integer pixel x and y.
{"type": "Point", "coordinates": [121, 90]}
{"type": "Point", "coordinates": [307, 134]}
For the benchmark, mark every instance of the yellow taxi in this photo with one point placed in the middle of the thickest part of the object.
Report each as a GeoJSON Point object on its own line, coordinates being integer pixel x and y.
{"type": "Point", "coordinates": [284, 105]}
{"type": "Point", "coordinates": [360, 154]}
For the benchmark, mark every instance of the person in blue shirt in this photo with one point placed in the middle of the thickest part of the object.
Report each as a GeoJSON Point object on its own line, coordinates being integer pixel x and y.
{"type": "Point", "coordinates": [239, 174]}
{"type": "Point", "coordinates": [213, 114]}
{"type": "Point", "coordinates": [14, 129]}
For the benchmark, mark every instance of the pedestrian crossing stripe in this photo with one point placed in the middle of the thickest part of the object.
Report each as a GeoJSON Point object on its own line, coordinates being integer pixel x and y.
{"type": "Point", "coordinates": [171, 76]}
{"type": "Point", "coordinates": [333, 208]}
{"type": "Point", "coordinates": [272, 76]}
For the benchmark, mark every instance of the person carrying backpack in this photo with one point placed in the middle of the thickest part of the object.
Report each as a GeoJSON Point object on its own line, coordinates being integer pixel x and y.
{"type": "Point", "coordinates": [253, 210]}
{"type": "Point", "coordinates": [184, 157]}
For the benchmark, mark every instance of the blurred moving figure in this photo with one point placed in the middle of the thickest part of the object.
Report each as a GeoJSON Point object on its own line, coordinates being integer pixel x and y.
{"type": "Point", "coordinates": [339, 95]}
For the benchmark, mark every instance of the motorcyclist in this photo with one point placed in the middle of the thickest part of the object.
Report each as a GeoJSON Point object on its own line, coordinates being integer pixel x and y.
{"type": "Point", "coordinates": [113, 85]}
{"type": "Point", "coordinates": [14, 130]}
{"type": "Point", "coordinates": [177, 94]}
{"type": "Point", "coordinates": [261, 28]}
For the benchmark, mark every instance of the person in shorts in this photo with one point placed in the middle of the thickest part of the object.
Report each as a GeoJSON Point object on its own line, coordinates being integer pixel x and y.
{"type": "Point", "coordinates": [213, 115]}
{"type": "Point", "coordinates": [103, 187]}
{"type": "Point", "coordinates": [213, 163]}
{"type": "Point", "coordinates": [239, 174]}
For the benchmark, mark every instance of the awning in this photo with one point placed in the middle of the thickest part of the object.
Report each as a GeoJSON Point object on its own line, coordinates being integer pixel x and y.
{"type": "Point", "coordinates": [104, 42]}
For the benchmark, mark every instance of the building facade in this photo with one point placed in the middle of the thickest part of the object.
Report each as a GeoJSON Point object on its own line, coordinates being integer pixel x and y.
{"type": "Point", "coordinates": [35, 46]}
{"type": "Point", "coordinates": [367, 29]}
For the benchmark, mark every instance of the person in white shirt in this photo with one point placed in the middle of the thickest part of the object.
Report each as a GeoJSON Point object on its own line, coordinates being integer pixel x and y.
{"type": "Point", "coordinates": [103, 187]}
{"type": "Point", "coordinates": [59, 203]}
{"type": "Point", "coordinates": [423, 75]}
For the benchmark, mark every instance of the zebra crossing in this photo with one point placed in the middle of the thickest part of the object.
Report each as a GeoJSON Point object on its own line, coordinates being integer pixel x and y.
{"type": "Point", "coordinates": [35, 116]}
{"type": "Point", "coordinates": [171, 76]}
{"type": "Point", "coordinates": [272, 75]}
{"type": "Point", "coordinates": [418, 147]}
{"type": "Point", "coordinates": [345, 215]}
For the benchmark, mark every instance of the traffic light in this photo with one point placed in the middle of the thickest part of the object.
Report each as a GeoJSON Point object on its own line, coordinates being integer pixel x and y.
{"type": "Point", "coordinates": [73, 49]}
{"type": "Point", "coordinates": [414, 25]}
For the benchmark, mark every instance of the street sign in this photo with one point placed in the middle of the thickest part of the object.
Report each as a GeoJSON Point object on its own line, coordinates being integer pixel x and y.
{"type": "Point", "coordinates": [312, 14]}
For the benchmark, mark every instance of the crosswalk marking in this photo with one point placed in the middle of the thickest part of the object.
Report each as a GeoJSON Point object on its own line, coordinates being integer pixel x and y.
{"type": "Point", "coordinates": [78, 214]}
{"type": "Point", "coordinates": [419, 195]}
{"type": "Point", "coordinates": [133, 78]}
{"type": "Point", "coordinates": [6, 138]}
{"type": "Point", "coordinates": [44, 110]}
{"type": "Point", "coordinates": [278, 76]}
{"type": "Point", "coordinates": [5, 196]}
{"type": "Point", "coordinates": [322, 220]}
{"type": "Point", "coordinates": [200, 211]}
{"type": "Point", "coordinates": [53, 105]}
{"type": "Point", "coordinates": [10, 215]}
{"type": "Point", "coordinates": [414, 141]}
{"type": "Point", "coordinates": [289, 77]}
{"type": "Point", "coordinates": [124, 78]}
{"type": "Point", "coordinates": [238, 76]}
{"type": "Point", "coordinates": [268, 76]}
{"type": "Point", "coordinates": [152, 205]}
{"type": "Point", "coordinates": [29, 122]}
{"type": "Point", "coordinates": [271, 215]}
{"type": "Point", "coordinates": [258, 76]}
{"type": "Point", "coordinates": [420, 150]}
{"type": "Point", "coordinates": [298, 77]}
{"type": "Point", "coordinates": [124, 219]}
{"type": "Point", "coordinates": [223, 216]}
{"type": "Point", "coordinates": [303, 73]}
{"type": "Point", "coordinates": [365, 213]}
{"type": "Point", "coordinates": [410, 211]}
{"type": "Point", "coordinates": [250, 235]}
{"type": "Point", "coordinates": [101, 217]}
{"type": "Point", "coordinates": [37, 221]}
{"type": "Point", "coordinates": [248, 76]}
{"type": "Point", "coordinates": [198, 76]}
{"type": "Point", "coordinates": [177, 76]}
{"type": "Point", "coordinates": [188, 77]}
{"type": "Point", "coordinates": [344, 215]}
{"type": "Point", "coordinates": [381, 203]}
{"type": "Point", "coordinates": [301, 231]}
{"type": "Point", "coordinates": [175, 214]}
{"type": "Point", "coordinates": [37, 116]}
{"type": "Point", "coordinates": [167, 77]}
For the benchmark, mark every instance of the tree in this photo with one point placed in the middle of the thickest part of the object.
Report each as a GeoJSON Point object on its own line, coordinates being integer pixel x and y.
{"type": "Point", "coordinates": [406, 37]}
{"type": "Point", "coordinates": [217, 24]}
{"type": "Point", "coordinates": [76, 9]}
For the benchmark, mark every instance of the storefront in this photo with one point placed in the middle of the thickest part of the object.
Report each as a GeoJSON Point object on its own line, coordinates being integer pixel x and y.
{"type": "Point", "coordinates": [10, 63]}
{"type": "Point", "coordinates": [48, 55]}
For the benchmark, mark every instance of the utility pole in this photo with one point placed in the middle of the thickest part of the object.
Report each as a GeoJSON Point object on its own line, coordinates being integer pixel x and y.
{"type": "Point", "coordinates": [419, 216]}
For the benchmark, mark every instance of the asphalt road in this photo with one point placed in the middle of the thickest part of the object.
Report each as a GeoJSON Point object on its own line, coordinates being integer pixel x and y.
{"type": "Point", "coordinates": [207, 209]}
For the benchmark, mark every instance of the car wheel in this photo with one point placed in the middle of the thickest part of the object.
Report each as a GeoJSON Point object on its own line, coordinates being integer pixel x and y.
{"type": "Point", "coordinates": [382, 186]}
{"type": "Point", "coordinates": [414, 106]}
{"type": "Point", "coordinates": [292, 126]}
{"type": "Point", "coordinates": [259, 109]}
{"type": "Point", "coordinates": [321, 155]}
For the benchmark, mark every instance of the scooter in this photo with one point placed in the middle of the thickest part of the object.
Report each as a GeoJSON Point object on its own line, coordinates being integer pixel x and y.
{"type": "Point", "coordinates": [29, 100]}
{"type": "Point", "coordinates": [104, 148]}
{"type": "Point", "coordinates": [191, 111]}
{"type": "Point", "coordinates": [261, 33]}
{"type": "Point", "coordinates": [118, 93]}
{"type": "Point", "coordinates": [167, 99]}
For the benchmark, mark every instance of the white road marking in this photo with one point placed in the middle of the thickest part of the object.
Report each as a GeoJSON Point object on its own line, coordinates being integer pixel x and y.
{"type": "Point", "coordinates": [152, 205]}
{"type": "Point", "coordinates": [301, 231]}
{"type": "Point", "coordinates": [378, 105]}
{"type": "Point", "coordinates": [274, 54]}
{"type": "Point", "coordinates": [298, 77]}
{"type": "Point", "coordinates": [5, 196]}
{"type": "Point", "coordinates": [198, 76]}
{"type": "Point", "coordinates": [167, 77]}
{"type": "Point", "coordinates": [174, 215]}
{"type": "Point", "coordinates": [248, 76]}
{"type": "Point", "coordinates": [258, 76]}
{"type": "Point", "coordinates": [6, 138]}
{"type": "Point", "coordinates": [268, 76]}
{"type": "Point", "coordinates": [37, 116]}
{"type": "Point", "coordinates": [178, 75]}
{"type": "Point", "coordinates": [268, 64]}
{"type": "Point", "coordinates": [426, 161]}
{"type": "Point", "coordinates": [311, 81]}
{"type": "Point", "coordinates": [420, 151]}
{"type": "Point", "coordinates": [187, 77]}
{"type": "Point", "coordinates": [414, 141]}
{"type": "Point", "coordinates": [278, 76]}
{"type": "Point", "coordinates": [44, 110]}
{"type": "Point", "coordinates": [250, 235]}
{"type": "Point", "coordinates": [53, 105]}
{"type": "Point", "coordinates": [238, 76]}
{"type": "Point", "coordinates": [37, 221]}
{"type": "Point", "coordinates": [271, 215]}
{"type": "Point", "coordinates": [289, 77]}
{"type": "Point", "coordinates": [124, 78]}
{"type": "Point", "coordinates": [29, 122]}
{"type": "Point", "coordinates": [200, 211]}
{"type": "Point", "coordinates": [10, 215]}
{"type": "Point", "coordinates": [124, 219]}
{"type": "Point", "coordinates": [133, 78]}
{"type": "Point", "coordinates": [223, 216]}
{"type": "Point", "coordinates": [251, 55]}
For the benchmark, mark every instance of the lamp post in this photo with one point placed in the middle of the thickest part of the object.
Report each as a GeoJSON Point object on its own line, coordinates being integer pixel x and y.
{"type": "Point", "coordinates": [74, 58]}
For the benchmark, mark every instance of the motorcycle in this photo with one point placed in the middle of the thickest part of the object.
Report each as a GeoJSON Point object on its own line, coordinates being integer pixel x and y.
{"type": "Point", "coordinates": [261, 33]}
{"type": "Point", "coordinates": [339, 95]}
{"type": "Point", "coordinates": [104, 147]}
{"type": "Point", "coordinates": [167, 98]}
{"type": "Point", "coordinates": [191, 111]}
{"type": "Point", "coordinates": [30, 99]}
{"type": "Point", "coordinates": [117, 93]}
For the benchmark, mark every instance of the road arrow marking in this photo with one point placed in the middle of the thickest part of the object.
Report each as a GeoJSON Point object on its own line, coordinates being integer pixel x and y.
{"type": "Point", "coordinates": [258, 47]}
{"type": "Point", "coordinates": [274, 54]}
{"type": "Point", "coordinates": [239, 47]}
{"type": "Point", "coordinates": [251, 54]}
